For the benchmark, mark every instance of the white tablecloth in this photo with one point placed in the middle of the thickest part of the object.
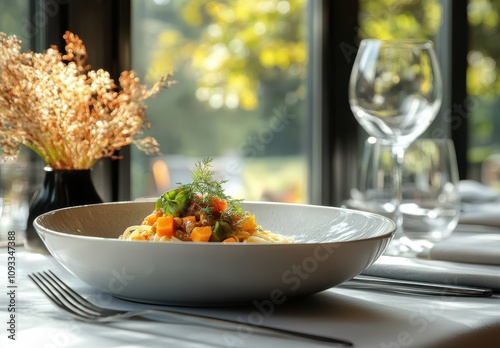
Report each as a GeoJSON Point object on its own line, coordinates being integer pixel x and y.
{"type": "Point", "coordinates": [366, 318]}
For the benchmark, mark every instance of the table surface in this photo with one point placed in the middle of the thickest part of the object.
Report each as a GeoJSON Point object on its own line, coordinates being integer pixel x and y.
{"type": "Point", "coordinates": [366, 318]}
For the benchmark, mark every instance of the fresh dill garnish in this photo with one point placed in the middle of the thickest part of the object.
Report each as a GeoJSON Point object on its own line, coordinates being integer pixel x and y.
{"type": "Point", "coordinates": [203, 180]}
{"type": "Point", "coordinates": [205, 200]}
{"type": "Point", "coordinates": [204, 187]}
{"type": "Point", "coordinates": [201, 191]}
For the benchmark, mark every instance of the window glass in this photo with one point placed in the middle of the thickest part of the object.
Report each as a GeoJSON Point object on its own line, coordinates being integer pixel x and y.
{"type": "Point", "coordinates": [14, 190]}
{"type": "Point", "coordinates": [395, 19]}
{"type": "Point", "coordinates": [483, 88]}
{"type": "Point", "coordinates": [14, 20]}
{"type": "Point", "coordinates": [240, 96]}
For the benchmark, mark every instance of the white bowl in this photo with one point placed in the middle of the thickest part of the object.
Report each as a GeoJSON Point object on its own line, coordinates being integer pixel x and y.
{"type": "Point", "coordinates": [332, 246]}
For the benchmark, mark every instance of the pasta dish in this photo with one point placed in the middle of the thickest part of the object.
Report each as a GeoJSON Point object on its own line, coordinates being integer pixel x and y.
{"type": "Point", "coordinates": [201, 212]}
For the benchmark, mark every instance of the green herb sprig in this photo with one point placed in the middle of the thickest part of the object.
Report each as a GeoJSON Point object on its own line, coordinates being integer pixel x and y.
{"type": "Point", "coordinates": [201, 191]}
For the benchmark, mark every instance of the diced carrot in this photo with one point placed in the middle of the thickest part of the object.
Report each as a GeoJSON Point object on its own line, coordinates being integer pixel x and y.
{"type": "Point", "coordinates": [249, 224]}
{"type": "Point", "coordinates": [219, 205]}
{"type": "Point", "coordinates": [151, 219]}
{"type": "Point", "coordinates": [165, 226]}
{"type": "Point", "coordinates": [201, 234]}
{"type": "Point", "coordinates": [229, 240]}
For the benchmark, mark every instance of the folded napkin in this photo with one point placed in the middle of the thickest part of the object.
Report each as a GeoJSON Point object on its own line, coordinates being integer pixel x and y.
{"type": "Point", "coordinates": [475, 192]}
{"type": "Point", "coordinates": [436, 271]}
{"type": "Point", "coordinates": [480, 204]}
{"type": "Point", "coordinates": [476, 248]}
{"type": "Point", "coordinates": [486, 214]}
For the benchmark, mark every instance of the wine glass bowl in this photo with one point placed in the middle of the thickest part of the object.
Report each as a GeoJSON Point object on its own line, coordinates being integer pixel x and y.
{"type": "Point", "coordinates": [395, 89]}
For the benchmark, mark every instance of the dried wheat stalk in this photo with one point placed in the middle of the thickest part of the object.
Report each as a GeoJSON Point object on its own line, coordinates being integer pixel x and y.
{"type": "Point", "coordinates": [70, 115]}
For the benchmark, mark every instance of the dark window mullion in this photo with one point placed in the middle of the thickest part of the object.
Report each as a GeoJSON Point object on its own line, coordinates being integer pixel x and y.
{"type": "Point", "coordinates": [458, 62]}
{"type": "Point", "coordinates": [339, 129]}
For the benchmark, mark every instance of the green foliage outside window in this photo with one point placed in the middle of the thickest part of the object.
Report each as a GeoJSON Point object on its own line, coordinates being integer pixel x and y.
{"type": "Point", "coordinates": [237, 64]}
{"type": "Point", "coordinates": [232, 48]}
{"type": "Point", "coordinates": [483, 82]}
{"type": "Point", "coordinates": [241, 72]}
{"type": "Point", "coordinates": [422, 19]}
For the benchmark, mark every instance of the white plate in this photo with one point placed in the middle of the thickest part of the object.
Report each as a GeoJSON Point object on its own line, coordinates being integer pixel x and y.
{"type": "Point", "coordinates": [332, 246]}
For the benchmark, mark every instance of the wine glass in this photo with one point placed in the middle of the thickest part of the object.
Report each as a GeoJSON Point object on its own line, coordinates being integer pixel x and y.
{"type": "Point", "coordinates": [395, 92]}
{"type": "Point", "coordinates": [431, 200]}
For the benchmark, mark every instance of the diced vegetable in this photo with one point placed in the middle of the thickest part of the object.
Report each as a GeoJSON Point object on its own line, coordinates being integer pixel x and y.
{"type": "Point", "coordinates": [220, 205]}
{"type": "Point", "coordinates": [173, 202]}
{"type": "Point", "coordinates": [188, 219]}
{"type": "Point", "coordinates": [221, 231]}
{"type": "Point", "coordinates": [165, 226]}
{"type": "Point", "coordinates": [229, 240]}
{"type": "Point", "coordinates": [201, 234]}
{"type": "Point", "coordinates": [249, 224]}
{"type": "Point", "coordinates": [151, 219]}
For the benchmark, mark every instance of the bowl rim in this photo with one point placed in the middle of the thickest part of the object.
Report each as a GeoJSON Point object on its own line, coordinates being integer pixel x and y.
{"type": "Point", "coordinates": [383, 235]}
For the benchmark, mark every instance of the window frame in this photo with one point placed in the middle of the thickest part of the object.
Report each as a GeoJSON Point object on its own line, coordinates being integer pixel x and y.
{"type": "Point", "coordinates": [333, 41]}
{"type": "Point", "coordinates": [334, 131]}
{"type": "Point", "coordinates": [109, 49]}
{"type": "Point", "coordinates": [459, 49]}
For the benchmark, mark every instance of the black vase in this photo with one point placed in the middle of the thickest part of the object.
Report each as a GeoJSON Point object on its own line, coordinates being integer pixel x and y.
{"type": "Point", "coordinates": [60, 189]}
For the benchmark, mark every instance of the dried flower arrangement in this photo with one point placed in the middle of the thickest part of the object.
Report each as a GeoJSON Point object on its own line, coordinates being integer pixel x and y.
{"type": "Point", "coordinates": [70, 115]}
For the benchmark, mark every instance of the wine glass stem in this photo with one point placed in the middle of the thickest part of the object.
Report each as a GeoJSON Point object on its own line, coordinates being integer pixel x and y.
{"type": "Point", "coordinates": [398, 153]}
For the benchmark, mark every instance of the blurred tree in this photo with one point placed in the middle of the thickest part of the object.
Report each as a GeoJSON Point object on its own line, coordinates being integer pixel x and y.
{"type": "Point", "coordinates": [483, 83]}
{"type": "Point", "coordinates": [484, 20]}
{"type": "Point", "coordinates": [239, 65]}
{"type": "Point", "coordinates": [240, 68]}
{"type": "Point", "coordinates": [14, 20]}
{"type": "Point", "coordinates": [239, 46]}
{"type": "Point", "coordinates": [421, 19]}
{"type": "Point", "coordinates": [396, 19]}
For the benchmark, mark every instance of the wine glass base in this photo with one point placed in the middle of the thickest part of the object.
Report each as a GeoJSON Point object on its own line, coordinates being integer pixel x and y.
{"type": "Point", "coordinates": [407, 247]}
{"type": "Point", "coordinates": [404, 247]}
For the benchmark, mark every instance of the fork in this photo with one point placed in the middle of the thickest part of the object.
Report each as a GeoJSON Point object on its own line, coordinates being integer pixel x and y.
{"type": "Point", "coordinates": [78, 307]}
